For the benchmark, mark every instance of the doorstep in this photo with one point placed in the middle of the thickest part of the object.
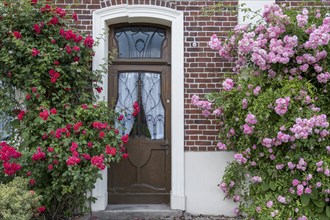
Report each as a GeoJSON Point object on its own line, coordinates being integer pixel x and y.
{"type": "Point", "coordinates": [135, 212]}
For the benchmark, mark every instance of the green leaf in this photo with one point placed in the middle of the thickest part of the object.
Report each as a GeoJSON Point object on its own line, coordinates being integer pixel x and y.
{"type": "Point", "coordinates": [324, 217]}
{"type": "Point", "coordinates": [327, 211]}
{"type": "Point", "coordinates": [272, 185]}
{"type": "Point", "coordinates": [305, 199]}
{"type": "Point", "coordinates": [58, 119]}
{"type": "Point", "coordinates": [15, 123]}
{"type": "Point", "coordinates": [264, 186]}
{"type": "Point", "coordinates": [314, 195]}
{"type": "Point", "coordinates": [319, 203]}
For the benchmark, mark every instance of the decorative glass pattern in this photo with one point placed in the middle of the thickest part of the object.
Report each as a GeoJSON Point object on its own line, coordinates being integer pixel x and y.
{"type": "Point", "coordinates": [127, 95]}
{"type": "Point", "coordinates": [152, 104]}
{"type": "Point", "coordinates": [140, 42]}
{"type": "Point", "coordinates": [144, 88]}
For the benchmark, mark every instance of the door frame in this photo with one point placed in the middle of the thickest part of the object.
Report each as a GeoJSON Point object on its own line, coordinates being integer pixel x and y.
{"type": "Point", "coordinates": [173, 19]}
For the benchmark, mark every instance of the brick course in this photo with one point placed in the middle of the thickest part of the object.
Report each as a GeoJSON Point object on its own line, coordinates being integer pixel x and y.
{"type": "Point", "coordinates": [203, 69]}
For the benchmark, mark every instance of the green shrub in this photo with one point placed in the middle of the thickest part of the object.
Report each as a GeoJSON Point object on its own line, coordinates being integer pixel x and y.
{"type": "Point", "coordinates": [16, 201]}
{"type": "Point", "coordinates": [65, 140]}
{"type": "Point", "coordinates": [275, 114]}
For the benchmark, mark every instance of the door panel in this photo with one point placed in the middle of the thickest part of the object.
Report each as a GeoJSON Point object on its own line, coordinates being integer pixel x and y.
{"type": "Point", "coordinates": [144, 177]}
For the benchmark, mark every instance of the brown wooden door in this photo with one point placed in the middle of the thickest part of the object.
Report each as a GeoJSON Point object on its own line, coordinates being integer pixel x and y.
{"type": "Point", "coordinates": [144, 177]}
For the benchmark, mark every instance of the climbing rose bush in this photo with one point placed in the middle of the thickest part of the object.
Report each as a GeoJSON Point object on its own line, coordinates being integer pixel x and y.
{"type": "Point", "coordinates": [274, 113]}
{"type": "Point", "coordinates": [59, 140]}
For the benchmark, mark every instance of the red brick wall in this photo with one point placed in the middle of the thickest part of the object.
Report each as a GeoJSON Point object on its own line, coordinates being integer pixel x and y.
{"type": "Point", "coordinates": [203, 69]}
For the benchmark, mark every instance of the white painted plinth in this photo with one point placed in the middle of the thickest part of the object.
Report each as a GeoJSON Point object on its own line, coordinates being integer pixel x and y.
{"type": "Point", "coordinates": [203, 172]}
{"type": "Point", "coordinates": [100, 192]}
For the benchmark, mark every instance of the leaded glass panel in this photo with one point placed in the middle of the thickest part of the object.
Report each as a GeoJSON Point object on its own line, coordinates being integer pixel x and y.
{"type": "Point", "coordinates": [140, 42]}
{"type": "Point", "coordinates": [144, 88]}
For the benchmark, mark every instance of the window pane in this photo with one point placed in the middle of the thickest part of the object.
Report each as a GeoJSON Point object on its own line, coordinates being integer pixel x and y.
{"type": "Point", "coordinates": [152, 104]}
{"type": "Point", "coordinates": [145, 89]}
{"type": "Point", "coordinates": [127, 95]}
{"type": "Point", "coordinates": [140, 42]}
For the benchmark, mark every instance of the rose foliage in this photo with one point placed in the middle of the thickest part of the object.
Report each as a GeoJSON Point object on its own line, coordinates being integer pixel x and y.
{"type": "Point", "coordinates": [59, 140]}
{"type": "Point", "coordinates": [275, 114]}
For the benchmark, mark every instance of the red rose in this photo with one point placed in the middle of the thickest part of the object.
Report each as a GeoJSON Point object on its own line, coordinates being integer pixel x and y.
{"type": "Point", "coordinates": [98, 162]}
{"type": "Point", "coordinates": [44, 136]}
{"type": "Point", "coordinates": [110, 150]}
{"type": "Point", "coordinates": [56, 62]}
{"type": "Point", "coordinates": [76, 127]}
{"type": "Point", "coordinates": [17, 35]}
{"type": "Point", "coordinates": [68, 126]}
{"type": "Point", "coordinates": [136, 105]}
{"type": "Point", "coordinates": [77, 38]}
{"type": "Point", "coordinates": [99, 89]}
{"type": "Point", "coordinates": [11, 168]}
{"type": "Point", "coordinates": [41, 209]}
{"type": "Point", "coordinates": [53, 80]}
{"type": "Point", "coordinates": [62, 32]}
{"type": "Point", "coordinates": [75, 154]}
{"type": "Point", "coordinates": [74, 16]}
{"type": "Point", "coordinates": [54, 21]}
{"type": "Point", "coordinates": [32, 182]}
{"type": "Point", "coordinates": [28, 96]}
{"type": "Point", "coordinates": [121, 117]}
{"type": "Point", "coordinates": [34, 89]}
{"type": "Point", "coordinates": [50, 167]}
{"type": "Point", "coordinates": [37, 28]}
{"type": "Point", "coordinates": [39, 155]}
{"type": "Point", "coordinates": [69, 35]}
{"type": "Point", "coordinates": [125, 138]}
{"type": "Point", "coordinates": [53, 111]}
{"type": "Point", "coordinates": [60, 12]}
{"type": "Point", "coordinates": [76, 59]}
{"type": "Point", "coordinates": [125, 155]}
{"type": "Point", "coordinates": [68, 49]}
{"type": "Point", "coordinates": [86, 156]}
{"type": "Point", "coordinates": [35, 52]}
{"type": "Point", "coordinates": [75, 48]}
{"type": "Point", "coordinates": [102, 134]}
{"type": "Point", "coordinates": [50, 149]}
{"type": "Point", "coordinates": [21, 115]}
{"type": "Point", "coordinates": [88, 42]}
{"type": "Point", "coordinates": [71, 161]}
{"type": "Point", "coordinates": [44, 114]}
{"type": "Point", "coordinates": [34, 2]}
{"type": "Point", "coordinates": [136, 109]}
{"type": "Point", "coordinates": [73, 147]}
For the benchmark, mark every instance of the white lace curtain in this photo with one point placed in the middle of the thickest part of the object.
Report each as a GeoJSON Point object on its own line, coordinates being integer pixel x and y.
{"type": "Point", "coordinates": [151, 102]}
{"type": "Point", "coordinates": [127, 95]}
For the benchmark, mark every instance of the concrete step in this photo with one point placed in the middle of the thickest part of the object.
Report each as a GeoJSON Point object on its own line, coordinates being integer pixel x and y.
{"type": "Point", "coordinates": [136, 212]}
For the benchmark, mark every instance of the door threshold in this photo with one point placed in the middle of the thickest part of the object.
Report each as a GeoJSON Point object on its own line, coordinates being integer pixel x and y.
{"type": "Point", "coordinates": [137, 211]}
